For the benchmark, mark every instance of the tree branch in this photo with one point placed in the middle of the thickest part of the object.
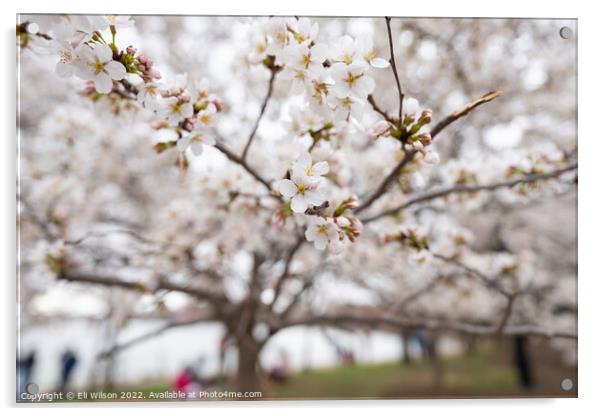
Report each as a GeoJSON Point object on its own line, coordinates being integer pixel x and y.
{"type": "Point", "coordinates": [151, 334]}
{"type": "Point", "coordinates": [382, 188]}
{"type": "Point", "coordinates": [432, 324]}
{"type": "Point", "coordinates": [409, 155]}
{"type": "Point", "coordinates": [92, 278]}
{"type": "Point", "coordinates": [507, 313]}
{"type": "Point", "coordinates": [471, 188]}
{"type": "Point", "coordinates": [273, 72]}
{"type": "Point", "coordinates": [379, 110]}
{"type": "Point", "coordinates": [394, 67]}
{"type": "Point", "coordinates": [236, 159]}
{"type": "Point", "coordinates": [488, 281]}
{"type": "Point", "coordinates": [463, 111]}
{"type": "Point", "coordinates": [287, 264]}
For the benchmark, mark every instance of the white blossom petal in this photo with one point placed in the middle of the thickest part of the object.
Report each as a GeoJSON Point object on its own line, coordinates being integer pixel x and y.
{"type": "Point", "coordinates": [314, 197]}
{"type": "Point", "coordinates": [103, 83]}
{"type": "Point", "coordinates": [321, 241]}
{"type": "Point", "coordinates": [116, 70]}
{"type": "Point", "coordinates": [197, 147]}
{"type": "Point", "coordinates": [320, 168]}
{"type": "Point", "coordinates": [287, 188]}
{"type": "Point", "coordinates": [64, 70]}
{"type": "Point", "coordinates": [103, 53]}
{"type": "Point", "coordinates": [299, 204]}
{"type": "Point", "coordinates": [379, 63]}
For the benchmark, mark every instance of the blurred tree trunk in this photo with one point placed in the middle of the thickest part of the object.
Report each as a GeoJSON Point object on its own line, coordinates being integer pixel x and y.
{"type": "Point", "coordinates": [436, 363]}
{"type": "Point", "coordinates": [522, 361]}
{"type": "Point", "coordinates": [248, 378]}
{"type": "Point", "coordinates": [471, 344]}
{"type": "Point", "coordinates": [405, 344]}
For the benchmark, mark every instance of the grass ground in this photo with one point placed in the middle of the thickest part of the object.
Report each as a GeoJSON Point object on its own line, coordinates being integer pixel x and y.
{"type": "Point", "coordinates": [487, 372]}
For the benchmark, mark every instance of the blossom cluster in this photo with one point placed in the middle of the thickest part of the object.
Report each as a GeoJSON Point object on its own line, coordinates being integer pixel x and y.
{"type": "Point", "coordinates": [305, 194]}
{"type": "Point", "coordinates": [183, 105]}
{"type": "Point", "coordinates": [334, 77]}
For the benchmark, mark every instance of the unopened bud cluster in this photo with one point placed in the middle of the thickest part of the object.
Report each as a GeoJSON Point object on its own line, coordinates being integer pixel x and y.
{"type": "Point", "coordinates": [410, 237]}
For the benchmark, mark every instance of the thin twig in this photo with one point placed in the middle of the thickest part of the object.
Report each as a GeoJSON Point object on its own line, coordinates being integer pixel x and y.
{"type": "Point", "coordinates": [394, 67]}
{"type": "Point", "coordinates": [379, 110]}
{"type": "Point", "coordinates": [463, 111]}
{"type": "Point", "coordinates": [261, 112]}
{"type": "Point", "coordinates": [507, 313]}
{"type": "Point", "coordinates": [382, 188]}
{"type": "Point", "coordinates": [285, 272]}
{"type": "Point", "coordinates": [92, 278]}
{"type": "Point", "coordinates": [432, 324]}
{"type": "Point", "coordinates": [236, 159]}
{"type": "Point", "coordinates": [488, 281]}
{"type": "Point", "coordinates": [470, 189]}
{"type": "Point", "coordinates": [409, 155]}
{"type": "Point", "coordinates": [150, 335]}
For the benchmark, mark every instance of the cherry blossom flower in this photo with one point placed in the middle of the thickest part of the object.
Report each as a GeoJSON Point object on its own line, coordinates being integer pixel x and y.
{"type": "Point", "coordinates": [303, 29]}
{"type": "Point", "coordinates": [365, 48]}
{"type": "Point", "coordinates": [196, 141]}
{"type": "Point", "coordinates": [304, 64]}
{"type": "Point", "coordinates": [322, 233]}
{"type": "Point", "coordinates": [411, 107]}
{"type": "Point", "coordinates": [278, 33]}
{"type": "Point", "coordinates": [66, 33]}
{"type": "Point", "coordinates": [300, 56]}
{"type": "Point", "coordinates": [207, 116]}
{"type": "Point", "coordinates": [199, 89]}
{"type": "Point", "coordinates": [174, 110]}
{"type": "Point", "coordinates": [302, 191]}
{"type": "Point", "coordinates": [99, 66]}
{"type": "Point", "coordinates": [344, 51]}
{"type": "Point", "coordinates": [175, 86]}
{"type": "Point", "coordinates": [120, 21]}
{"type": "Point", "coordinates": [149, 95]}
{"type": "Point", "coordinates": [305, 166]}
{"type": "Point", "coordinates": [351, 80]}
{"type": "Point", "coordinates": [346, 106]}
{"type": "Point", "coordinates": [68, 59]}
{"type": "Point", "coordinates": [88, 24]}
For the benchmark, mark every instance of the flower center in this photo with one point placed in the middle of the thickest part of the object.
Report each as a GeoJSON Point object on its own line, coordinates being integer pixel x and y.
{"type": "Point", "coordinates": [301, 188]}
{"type": "Point", "coordinates": [348, 58]}
{"type": "Point", "coordinates": [322, 229]}
{"type": "Point", "coordinates": [352, 79]}
{"type": "Point", "coordinates": [306, 60]}
{"type": "Point", "coordinates": [175, 107]}
{"type": "Point", "coordinates": [66, 57]}
{"type": "Point", "coordinates": [300, 75]}
{"type": "Point", "coordinates": [98, 67]}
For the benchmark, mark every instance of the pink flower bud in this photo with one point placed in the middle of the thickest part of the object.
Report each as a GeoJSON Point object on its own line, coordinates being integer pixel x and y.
{"type": "Point", "coordinates": [426, 117]}
{"type": "Point", "coordinates": [142, 58]}
{"type": "Point", "coordinates": [417, 145]}
{"type": "Point", "coordinates": [157, 125]}
{"type": "Point", "coordinates": [131, 50]}
{"type": "Point", "coordinates": [154, 72]}
{"type": "Point", "coordinates": [219, 104]}
{"type": "Point", "coordinates": [425, 138]}
{"type": "Point", "coordinates": [342, 222]}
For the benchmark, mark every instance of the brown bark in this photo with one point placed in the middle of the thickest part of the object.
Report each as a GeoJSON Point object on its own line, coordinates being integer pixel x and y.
{"type": "Point", "coordinates": [247, 377]}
